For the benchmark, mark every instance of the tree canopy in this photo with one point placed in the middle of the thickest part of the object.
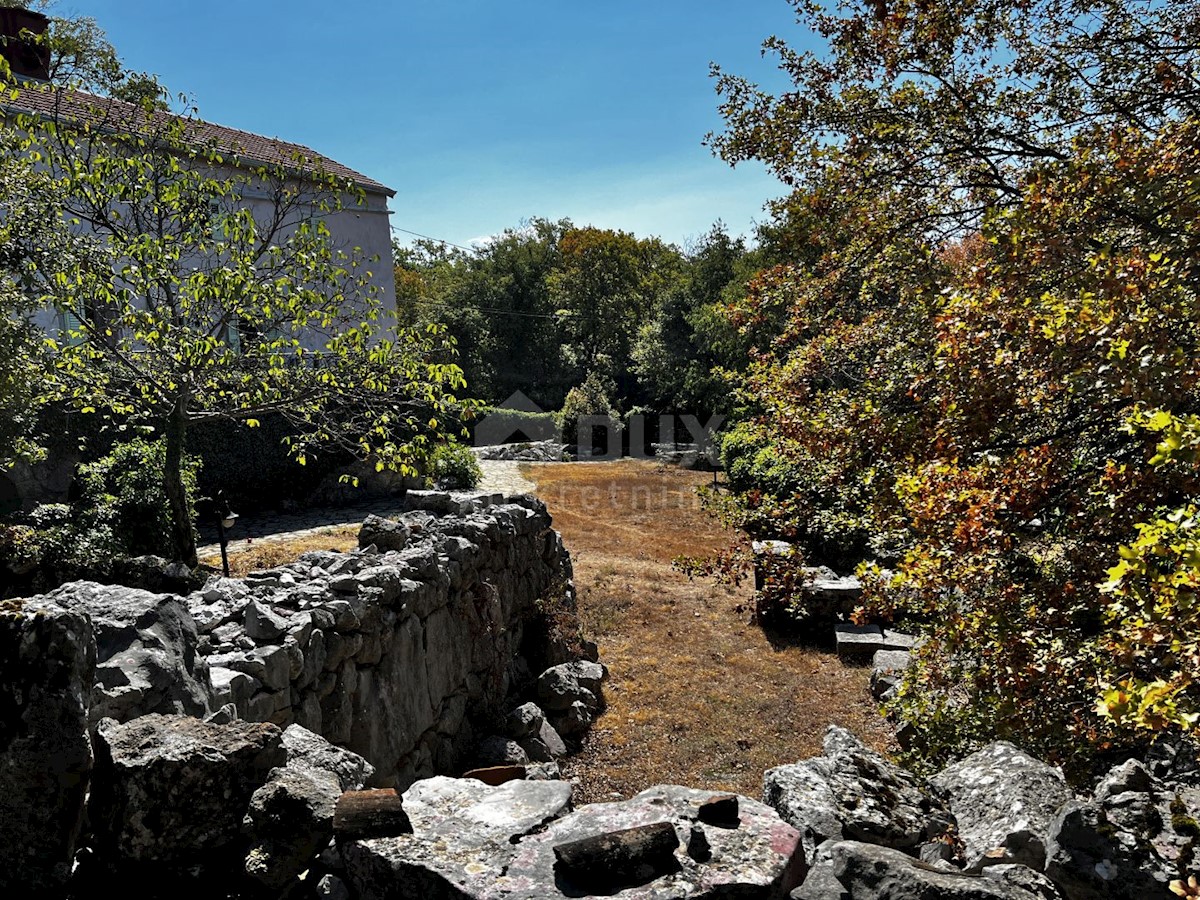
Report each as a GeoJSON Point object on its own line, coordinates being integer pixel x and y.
{"type": "Point", "coordinates": [974, 369]}
{"type": "Point", "coordinates": [181, 299]}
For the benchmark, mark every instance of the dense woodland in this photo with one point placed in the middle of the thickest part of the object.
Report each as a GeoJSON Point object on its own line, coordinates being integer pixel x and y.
{"type": "Point", "coordinates": [544, 305]}
{"type": "Point", "coordinates": [960, 356]}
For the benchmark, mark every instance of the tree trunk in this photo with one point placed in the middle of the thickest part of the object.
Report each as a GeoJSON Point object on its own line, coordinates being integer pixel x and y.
{"type": "Point", "coordinates": [182, 536]}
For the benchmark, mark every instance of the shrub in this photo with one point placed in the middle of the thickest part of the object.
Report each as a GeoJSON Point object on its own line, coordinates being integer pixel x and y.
{"type": "Point", "coordinates": [589, 399]}
{"type": "Point", "coordinates": [123, 492]}
{"type": "Point", "coordinates": [454, 466]}
{"type": "Point", "coordinates": [507, 426]}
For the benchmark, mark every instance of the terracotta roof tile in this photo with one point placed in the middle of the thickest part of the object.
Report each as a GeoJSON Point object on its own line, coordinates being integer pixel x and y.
{"type": "Point", "coordinates": [115, 115]}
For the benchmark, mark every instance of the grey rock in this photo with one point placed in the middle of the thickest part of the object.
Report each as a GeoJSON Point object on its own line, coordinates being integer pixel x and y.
{"type": "Point", "coordinates": [47, 666]}
{"type": "Point", "coordinates": [495, 750]}
{"type": "Point", "coordinates": [222, 716]}
{"type": "Point", "coordinates": [1090, 857]}
{"type": "Point", "coordinates": [172, 790]}
{"type": "Point", "coordinates": [898, 640]}
{"type": "Point", "coordinates": [560, 686]}
{"type": "Point", "coordinates": [276, 666]}
{"type": "Point", "coordinates": [345, 619]}
{"type": "Point", "coordinates": [146, 651]}
{"type": "Point", "coordinates": [330, 887]}
{"type": "Point", "coordinates": [484, 842]}
{"type": "Point", "coordinates": [857, 643]}
{"type": "Point", "coordinates": [859, 871]}
{"type": "Point", "coordinates": [270, 706]}
{"type": "Point", "coordinates": [436, 502]}
{"type": "Point", "coordinates": [852, 792]}
{"type": "Point", "coordinates": [344, 584]}
{"type": "Point", "coordinates": [545, 746]}
{"type": "Point", "coordinates": [547, 771]}
{"type": "Point", "coordinates": [309, 751]}
{"type": "Point", "coordinates": [1025, 878]}
{"type": "Point", "coordinates": [295, 658]}
{"type": "Point", "coordinates": [1004, 801]}
{"type": "Point", "coordinates": [385, 534]}
{"type": "Point", "coordinates": [289, 819]}
{"type": "Point", "coordinates": [887, 667]}
{"type": "Point", "coordinates": [525, 720]}
{"type": "Point", "coordinates": [264, 625]}
{"type": "Point", "coordinates": [1128, 777]}
{"type": "Point", "coordinates": [574, 720]}
{"type": "Point", "coordinates": [232, 686]}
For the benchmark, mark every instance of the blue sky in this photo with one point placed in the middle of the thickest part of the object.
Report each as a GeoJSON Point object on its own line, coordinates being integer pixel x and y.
{"type": "Point", "coordinates": [480, 113]}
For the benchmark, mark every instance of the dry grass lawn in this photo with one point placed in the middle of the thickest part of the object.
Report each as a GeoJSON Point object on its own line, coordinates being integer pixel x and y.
{"type": "Point", "coordinates": [247, 556]}
{"type": "Point", "coordinates": [697, 696]}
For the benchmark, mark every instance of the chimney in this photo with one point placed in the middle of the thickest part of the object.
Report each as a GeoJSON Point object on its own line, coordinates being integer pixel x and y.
{"type": "Point", "coordinates": [27, 58]}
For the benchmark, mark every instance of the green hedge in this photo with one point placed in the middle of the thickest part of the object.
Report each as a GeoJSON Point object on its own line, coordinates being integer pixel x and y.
{"type": "Point", "coordinates": [511, 426]}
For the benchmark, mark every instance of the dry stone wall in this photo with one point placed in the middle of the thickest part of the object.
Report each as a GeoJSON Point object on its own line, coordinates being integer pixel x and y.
{"type": "Point", "coordinates": [401, 650]}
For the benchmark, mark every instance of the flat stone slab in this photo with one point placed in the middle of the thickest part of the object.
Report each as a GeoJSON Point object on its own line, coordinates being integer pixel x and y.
{"type": "Point", "coordinates": [898, 640]}
{"type": "Point", "coordinates": [890, 662]}
{"type": "Point", "coordinates": [462, 853]}
{"type": "Point", "coordinates": [857, 643]}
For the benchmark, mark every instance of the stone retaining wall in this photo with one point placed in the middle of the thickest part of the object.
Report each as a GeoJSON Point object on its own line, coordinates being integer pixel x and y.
{"type": "Point", "coordinates": [398, 652]}
{"type": "Point", "coordinates": [403, 651]}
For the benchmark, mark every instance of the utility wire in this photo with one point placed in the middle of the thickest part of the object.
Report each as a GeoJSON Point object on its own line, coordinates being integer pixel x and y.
{"type": "Point", "coordinates": [500, 312]}
{"type": "Point", "coordinates": [435, 240]}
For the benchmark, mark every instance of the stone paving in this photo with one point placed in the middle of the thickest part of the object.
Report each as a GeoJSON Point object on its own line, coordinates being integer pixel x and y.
{"type": "Point", "coordinates": [499, 476]}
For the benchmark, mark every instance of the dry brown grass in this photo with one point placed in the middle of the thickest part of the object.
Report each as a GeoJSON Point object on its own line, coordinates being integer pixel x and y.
{"type": "Point", "coordinates": [247, 555]}
{"type": "Point", "coordinates": [697, 696]}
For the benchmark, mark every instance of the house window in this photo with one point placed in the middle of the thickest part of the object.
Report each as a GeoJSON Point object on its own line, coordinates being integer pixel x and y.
{"type": "Point", "coordinates": [232, 336]}
{"type": "Point", "coordinates": [71, 327]}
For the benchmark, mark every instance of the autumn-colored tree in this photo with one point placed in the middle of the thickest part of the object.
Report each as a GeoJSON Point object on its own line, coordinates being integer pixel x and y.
{"type": "Point", "coordinates": [985, 326]}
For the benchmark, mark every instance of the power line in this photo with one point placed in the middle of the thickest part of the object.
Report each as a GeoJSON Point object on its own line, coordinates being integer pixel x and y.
{"type": "Point", "coordinates": [500, 312]}
{"type": "Point", "coordinates": [435, 240]}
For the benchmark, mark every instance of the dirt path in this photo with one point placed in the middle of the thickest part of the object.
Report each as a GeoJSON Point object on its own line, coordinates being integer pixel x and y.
{"type": "Point", "coordinates": [697, 696]}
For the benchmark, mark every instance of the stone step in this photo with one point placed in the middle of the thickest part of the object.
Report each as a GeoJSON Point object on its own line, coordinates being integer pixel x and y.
{"type": "Point", "coordinates": [858, 643]}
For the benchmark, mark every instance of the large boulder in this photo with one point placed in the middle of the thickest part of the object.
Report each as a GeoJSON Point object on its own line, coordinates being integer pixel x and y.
{"type": "Point", "coordinates": [852, 792]}
{"type": "Point", "coordinates": [1135, 836]}
{"type": "Point", "coordinates": [858, 871]}
{"type": "Point", "coordinates": [47, 665]}
{"type": "Point", "coordinates": [308, 751]}
{"type": "Point", "coordinates": [171, 791]}
{"type": "Point", "coordinates": [146, 655]}
{"type": "Point", "coordinates": [573, 682]}
{"type": "Point", "coordinates": [290, 820]}
{"type": "Point", "coordinates": [383, 534]}
{"type": "Point", "coordinates": [474, 841]}
{"type": "Point", "coordinates": [1004, 801]}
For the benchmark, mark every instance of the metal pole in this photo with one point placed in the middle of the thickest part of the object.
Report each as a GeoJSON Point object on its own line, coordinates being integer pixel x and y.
{"type": "Point", "coordinates": [223, 541]}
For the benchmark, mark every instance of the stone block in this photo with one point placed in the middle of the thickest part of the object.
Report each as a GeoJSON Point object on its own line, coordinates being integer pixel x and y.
{"type": "Point", "coordinates": [857, 643]}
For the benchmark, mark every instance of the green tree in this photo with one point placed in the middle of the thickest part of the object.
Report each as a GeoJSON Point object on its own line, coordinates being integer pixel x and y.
{"type": "Point", "coordinates": [681, 352]}
{"type": "Point", "coordinates": [182, 302]}
{"type": "Point", "coordinates": [609, 283]}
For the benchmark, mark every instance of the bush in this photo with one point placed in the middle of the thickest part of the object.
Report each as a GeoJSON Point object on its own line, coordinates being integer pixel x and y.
{"type": "Point", "coordinates": [252, 466]}
{"type": "Point", "coordinates": [588, 400]}
{"type": "Point", "coordinates": [454, 466]}
{"type": "Point", "coordinates": [123, 492]}
{"type": "Point", "coordinates": [509, 426]}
